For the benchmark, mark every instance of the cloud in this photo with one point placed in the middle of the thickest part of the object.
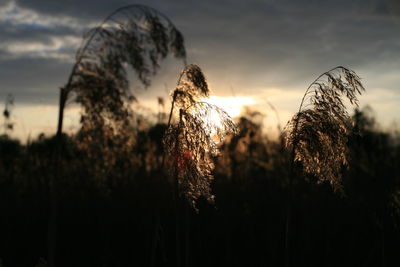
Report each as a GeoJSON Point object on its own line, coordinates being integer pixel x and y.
{"type": "Point", "coordinates": [26, 34]}
{"type": "Point", "coordinates": [60, 48]}
{"type": "Point", "coordinates": [15, 14]}
{"type": "Point", "coordinates": [33, 80]}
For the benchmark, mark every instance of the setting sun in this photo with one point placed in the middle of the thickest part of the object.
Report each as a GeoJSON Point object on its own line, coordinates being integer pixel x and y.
{"type": "Point", "coordinates": [232, 105]}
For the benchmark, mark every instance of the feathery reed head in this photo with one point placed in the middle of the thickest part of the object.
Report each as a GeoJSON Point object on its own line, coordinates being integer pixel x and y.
{"type": "Point", "coordinates": [192, 86]}
{"type": "Point", "coordinates": [318, 133]}
{"type": "Point", "coordinates": [193, 142]}
{"type": "Point", "coordinates": [135, 36]}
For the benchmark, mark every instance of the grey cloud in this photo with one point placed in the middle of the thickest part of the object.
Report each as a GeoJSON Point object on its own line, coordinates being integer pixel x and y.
{"type": "Point", "coordinates": [26, 34]}
{"type": "Point", "coordinates": [249, 44]}
{"type": "Point", "coordinates": [32, 80]}
{"type": "Point", "coordinates": [283, 50]}
{"type": "Point", "coordinates": [4, 2]}
{"type": "Point", "coordinates": [83, 10]}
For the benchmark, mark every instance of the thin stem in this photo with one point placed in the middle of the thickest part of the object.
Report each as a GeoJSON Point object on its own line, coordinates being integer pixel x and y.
{"type": "Point", "coordinates": [63, 99]}
{"type": "Point", "coordinates": [168, 125]}
{"type": "Point", "coordinates": [289, 211]}
{"type": "Point", "coordinates": [171, 112]}
{"type": "Point", "coordinates": [175, 199]}
{"type": "Point", "coordinates": [53, 186]}
{"type": "Point", "coordinates": [187, 235]}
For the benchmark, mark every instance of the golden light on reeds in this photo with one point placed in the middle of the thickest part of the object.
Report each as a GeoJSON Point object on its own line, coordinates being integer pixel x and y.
{"type": "Point", "coordinates": [191, 142]}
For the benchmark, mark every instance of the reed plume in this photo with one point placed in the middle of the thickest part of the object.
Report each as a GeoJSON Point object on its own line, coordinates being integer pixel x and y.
{"type": "Point", "coordinates": [135, 36]}
{"type": "Point", "coordinates": [192, 142]}
{"type": "Point", "coordinates": [318, 133]}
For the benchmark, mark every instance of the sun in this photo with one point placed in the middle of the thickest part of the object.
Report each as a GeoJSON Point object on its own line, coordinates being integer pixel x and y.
{"type": "Point", "coordinates": [231, 105]}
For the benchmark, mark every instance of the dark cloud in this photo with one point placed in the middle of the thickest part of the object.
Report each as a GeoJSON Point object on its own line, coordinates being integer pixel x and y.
{"type": "Point", "coordinates": [82, 10]}
{"type": "Point", "coordinates": [248, 44]}
{"type": "Point", "coordinates": [28, 33]}
{"type": "Point", "coordinates": [34, 80]}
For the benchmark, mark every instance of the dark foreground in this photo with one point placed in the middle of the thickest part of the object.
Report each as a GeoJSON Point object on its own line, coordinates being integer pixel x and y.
{"type": "Point", "coordinates": [126, 215]}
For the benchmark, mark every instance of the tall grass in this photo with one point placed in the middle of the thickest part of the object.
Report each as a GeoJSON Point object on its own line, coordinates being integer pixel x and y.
{"type": "Point", "coordinates": [192, 142]}
{"type": "Point", "coordinates": [135, 36]}
{"type": "Point", "coordinates": [317, 135]}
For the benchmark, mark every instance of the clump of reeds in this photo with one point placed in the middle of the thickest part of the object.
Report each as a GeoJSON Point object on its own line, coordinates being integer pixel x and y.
{"type": "Point", "coordinates": [192, 142]}
{"type": "Point", "coordinates": [136, 37]}
{"type": "Point", "coordinates": [133, 36]}
{"type": "Point", "coordinates": [318, 133]}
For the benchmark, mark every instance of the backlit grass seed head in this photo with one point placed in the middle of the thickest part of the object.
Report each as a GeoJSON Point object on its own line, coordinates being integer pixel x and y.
{"type": "Point", "coordinates": [318, 133]}
{"type": "Point", "coordinates": [193, 142]}
{"type": "Point", "coordinates": [134, 36]}
{"type": "Point", "coordinates": [191, 88]}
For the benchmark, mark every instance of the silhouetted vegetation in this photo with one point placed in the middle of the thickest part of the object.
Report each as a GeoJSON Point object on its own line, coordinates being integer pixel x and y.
{"type": "Point", "coordinates": [111, 220]}
{"type": "Point", "coordinates": [318, 133]}
{"type": "Point", "coordinates": [8, 124]}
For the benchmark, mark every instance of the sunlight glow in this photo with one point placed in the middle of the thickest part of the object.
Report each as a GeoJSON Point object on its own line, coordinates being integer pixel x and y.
{"type": "Point", "coordinates": [231, 105]}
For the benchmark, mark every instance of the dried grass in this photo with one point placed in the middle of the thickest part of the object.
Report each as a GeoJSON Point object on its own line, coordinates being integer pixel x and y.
{"type": "Point", "coordinates": [318, 133]}
{"type": "Point", "coordinates": [192, 142]}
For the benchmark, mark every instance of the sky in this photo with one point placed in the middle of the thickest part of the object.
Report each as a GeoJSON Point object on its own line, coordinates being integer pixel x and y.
{"type": "Point", "coordinates": [252, 52]}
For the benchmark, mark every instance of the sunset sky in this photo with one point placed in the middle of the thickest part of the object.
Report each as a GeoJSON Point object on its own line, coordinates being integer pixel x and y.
{"type": "Point", "coordinates": [250, 51]}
